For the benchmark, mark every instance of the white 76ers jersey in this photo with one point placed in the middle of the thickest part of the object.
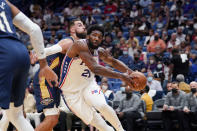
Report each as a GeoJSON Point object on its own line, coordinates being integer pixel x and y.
{"type": "Point", "coordinates": [75, 75]}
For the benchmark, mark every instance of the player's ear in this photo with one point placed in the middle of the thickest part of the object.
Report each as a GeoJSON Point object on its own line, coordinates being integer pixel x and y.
{"type": "Point", "coordinates": [72, 29]}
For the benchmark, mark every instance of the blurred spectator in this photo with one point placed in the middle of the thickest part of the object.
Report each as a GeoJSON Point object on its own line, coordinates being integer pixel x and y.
{"type": "Point", "coordinates": [166, 69]}
{"type": "Point", "coordinates": [180, 34]}
{"type": "Point", "coordinates": [108, 25]}
{"type": "Point", "coordinates": [188, 5]}
{"type": "Point", "coordinates": [30, 108]}
{"type": "Point", "coordinates": [133, 48]}
{"type": "Point", "coordinates": [109, 95]}
{"type": "Point", "coordinates": [90, 20]}
{"type": "Point", "coordinates": [157, 41]}
{"type": "Point", "coordinates": [149, 38]}
{"type": "Point", "coordinates": [159, 73]}
{"type": "Point", "coordinates": [172, 107]}
{"type": "Point", "coordinates": [116, 22]}
{"type": "Point", "coordinates": [134, 12]}
{"type": "Point", "coordinates": [145, 26]}
{"type": "Point", "coordinates": [110, 8]}
{"type": "Point", "coordinates": [174, 41]}
{"type": "Point", "coordinates": [152, 19]}
{"type": "Point", "coordinates": [69, 10]}
{"type": "Point", "coordinates": [37, 19]}
{"type": "Point", "coordinates": [119, 95]}
{"type": "Point", "coordinates": [126, 59]}
{"type": "Point", "coordinates": [153, 84]}
{"type": "Point", "coordinates": [43, 26]}
{"type": "Point", "coordinates": [116, 52]}
{"type": "Point", "coordinates": [169, 87]}
{"type": "Point", "coordinates": [190, 107]}
{"type": "Point", "coordinates": [123, 44]}
{"type": "Point", "coordinates": [152, 64]}
{"type": "Point", "coordinates": [55, 23]}
{"type": "Point", "coordinates": [164, 36]}
{"type": "Point", "coordinates": [77, 10]}
{"type": "Point", "coordinates": [51, 42]}
{"type": "Point", "coordinates": [132, 38]}
{"type": "Point", "coordinates": [107, 42]}
{"type": "Point", "coordinates": [179, 64]}
{"type": "Point", "coordinates": [193, 67]}
{"type": "Point", "coordinates": [158, 54]}
{"type": "Point", "coordinates": [96, 10]}
{"type": "Point", "coordinates": [129, 110]}
{"type": "Point", "coordinates": [194, 43]}
{"type": "Point", "coordinates": [138, 65]}
{"type": "Point", "coordinates": [117, 37]}
{"type": "Point", "coordinates": [182, 85]}
{"type": "Point", "coordinates": [148, 99]}
{"type": "Point", "coordinates": [87, 9]}
{"type": "Point", "coordinates": [145, 3]}
{"type": "Point", "coordinates": [159, 24]}
{"type": "Point", "coordinates": [189, 27]}
{"type": "Point", "coordinates": [175, 20]}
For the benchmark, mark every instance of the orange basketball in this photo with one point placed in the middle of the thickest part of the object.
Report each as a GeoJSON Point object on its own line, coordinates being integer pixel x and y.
{"type": "Point", "coordinates": [139, 80]}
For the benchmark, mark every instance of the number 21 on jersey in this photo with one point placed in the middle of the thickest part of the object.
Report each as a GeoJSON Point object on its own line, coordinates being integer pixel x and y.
{"type": "Point", "coordinates": [4, 25]}
{"type": "Point", "coordinates": [86, 72]}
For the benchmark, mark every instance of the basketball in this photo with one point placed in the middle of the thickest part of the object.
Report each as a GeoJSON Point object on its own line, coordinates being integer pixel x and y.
{"type": "Point", "coordinates": [139, 80]}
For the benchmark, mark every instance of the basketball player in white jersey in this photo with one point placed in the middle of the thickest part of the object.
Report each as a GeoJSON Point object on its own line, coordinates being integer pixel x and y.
{"type": "Point", "coordinates": [77, 81]}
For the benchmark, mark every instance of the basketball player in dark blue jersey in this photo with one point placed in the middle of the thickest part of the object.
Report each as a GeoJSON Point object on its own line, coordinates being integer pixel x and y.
{"type": "Point", "coordinates": [14, 62]}
{"type": "Point", "coordinates": [47, 98]}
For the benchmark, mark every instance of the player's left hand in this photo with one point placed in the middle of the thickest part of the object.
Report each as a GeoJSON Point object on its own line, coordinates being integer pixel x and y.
{"type": "Point", "coordinates": [49, 75]}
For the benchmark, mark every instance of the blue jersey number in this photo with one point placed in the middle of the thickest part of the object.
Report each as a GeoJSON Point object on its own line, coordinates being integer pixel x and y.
{"type": "Point", "coordinates": [86, 73]}
{"type": "Point", "coordinates": [4, 25]}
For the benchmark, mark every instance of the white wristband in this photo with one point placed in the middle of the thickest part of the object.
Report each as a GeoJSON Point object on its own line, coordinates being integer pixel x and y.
{"type": "Point", "coordinates": [53, 49]}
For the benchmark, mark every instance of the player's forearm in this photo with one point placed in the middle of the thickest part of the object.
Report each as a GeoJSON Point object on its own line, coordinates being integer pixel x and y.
{"type": "Point", "coordinates": [120, 66]}
{"type": "Point", "coordinates": [100, 70]}
{"type": "Point", "coordinates": [42, 63]}
{"type": "Point", "coordinates": [53, 49]}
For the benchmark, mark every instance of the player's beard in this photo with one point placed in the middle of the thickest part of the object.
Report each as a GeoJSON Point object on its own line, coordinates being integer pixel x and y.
{"type": "Point", "coordinates": [92, 46]}
{"type": "Point", "coordinates": [81, 35]}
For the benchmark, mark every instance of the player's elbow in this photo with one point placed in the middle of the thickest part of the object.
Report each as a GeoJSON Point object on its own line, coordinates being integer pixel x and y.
{"type": "Point", "coordinates": [35, 29]}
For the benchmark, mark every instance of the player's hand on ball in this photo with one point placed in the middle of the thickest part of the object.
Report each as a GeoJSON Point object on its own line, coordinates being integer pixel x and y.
{"type": "Point", "coordinates": [138, 81]}
{"type": "Point", "coordinates": [127, 79]}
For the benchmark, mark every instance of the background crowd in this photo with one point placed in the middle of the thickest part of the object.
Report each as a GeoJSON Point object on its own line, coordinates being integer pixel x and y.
{"type": "Point", "coordinates": [156, 37]}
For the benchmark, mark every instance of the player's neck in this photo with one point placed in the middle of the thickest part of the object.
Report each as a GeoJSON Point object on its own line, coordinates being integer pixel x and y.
{"type": "Point", "coordinates": [73, 35]}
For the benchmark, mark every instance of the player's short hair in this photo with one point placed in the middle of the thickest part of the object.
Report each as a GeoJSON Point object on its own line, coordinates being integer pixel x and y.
{"type": "Point", "coordinates": [95, 27]}
{"type": "Point", "coordinates": [72, 22]}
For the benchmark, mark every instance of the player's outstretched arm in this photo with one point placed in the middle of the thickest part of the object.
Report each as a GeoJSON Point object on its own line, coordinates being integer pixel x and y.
{"type": "Point", "coordinates": [106, 57]}
{"type": "Point", "coordinates": [62, 46]}
{"type": "Point", "coordinates": [84, 53]}
{"type": "Point", "coordinates": [33, 30]}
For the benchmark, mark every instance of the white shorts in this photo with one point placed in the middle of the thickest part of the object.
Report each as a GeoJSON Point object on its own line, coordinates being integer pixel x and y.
{"type": "Point", "coordinates": [82, 103]}
{"type": "Point", "coordinates": [51, 111]}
